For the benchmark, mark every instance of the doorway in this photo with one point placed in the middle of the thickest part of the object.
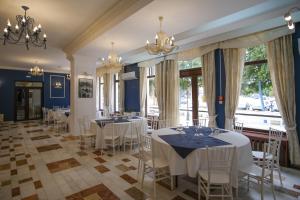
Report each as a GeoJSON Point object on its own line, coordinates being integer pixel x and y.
{"type": "Point", "coordinates": [28, 100]}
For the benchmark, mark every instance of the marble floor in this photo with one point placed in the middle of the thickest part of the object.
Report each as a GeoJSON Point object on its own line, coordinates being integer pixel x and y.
{"type": "Point", "coordinates": [38, 163]}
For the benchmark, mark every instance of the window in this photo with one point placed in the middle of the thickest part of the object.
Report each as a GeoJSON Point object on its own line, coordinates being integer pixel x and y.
{"type": "Point", "coordinates": [192, 103]}
{"type": "Point", "coordinates": [151, 101]}
{"type": "Point", "coordinates": [101, 93]}
{"type": "Point", "coordinates": [257, 107]}
{"type": "Point", "coordinates": [116, 92]}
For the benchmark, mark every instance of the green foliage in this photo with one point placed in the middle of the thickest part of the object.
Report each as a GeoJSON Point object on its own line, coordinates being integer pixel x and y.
{"type": "Point", "coordinates": [254, 73]}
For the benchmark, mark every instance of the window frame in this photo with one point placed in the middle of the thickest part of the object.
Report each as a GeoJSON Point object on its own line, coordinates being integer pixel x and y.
{"type": "Point", "coordinates": [116, 84]}
{"type": "Point", "coordinates": [100, 83]}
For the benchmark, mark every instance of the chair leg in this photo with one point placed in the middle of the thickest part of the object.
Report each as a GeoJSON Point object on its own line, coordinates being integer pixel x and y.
{"type": "Point", "coordinates": [143, 174]}
{"type": "Point", "coordinates": [222, 186]}
{"type": "Point", "coordinates": [272, 187]}
{"type": "Point", "coordinates": [172, 182]}
{"type": "Point", "coordinates": [138, 169]}
{"type": "Point", "coordinates": [154, 184]}
{"type": "Point", "coordinates": [279, 173]}
{"type": "Point", "coordinates": [262, 190]}
{"type": "Point", "coordinates": [248, 182]}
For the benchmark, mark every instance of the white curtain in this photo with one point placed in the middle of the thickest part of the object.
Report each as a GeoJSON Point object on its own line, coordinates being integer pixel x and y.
{"type": "Point", "coordinates": [143, 89]}
{"type": "Point", "coordinates": [167, 91]}
{"type": "Point", "coordinates": [121, 92]}
{"type": "Point", "coordinates": [107, 93]}
{"type": "Point", "coordinates": [209, 81]}
{"type": "Point", "coordinates": [234, 64]}
{"type": "Point", "coordinates": [281, 64]}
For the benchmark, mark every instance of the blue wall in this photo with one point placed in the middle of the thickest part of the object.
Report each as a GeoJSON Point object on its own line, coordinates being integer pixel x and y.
{"type": "Point", "coordinates": [220, 88]}
{"type": "Point", "coordinates": [296, 35]}
{"type": "Point", "coordinates": [7, 85]}
{"type": "Point", "coordinates": [132, 90]}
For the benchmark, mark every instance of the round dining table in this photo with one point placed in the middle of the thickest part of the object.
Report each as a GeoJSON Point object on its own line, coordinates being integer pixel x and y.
{"type": "Point", "coordinates": [196, 160]}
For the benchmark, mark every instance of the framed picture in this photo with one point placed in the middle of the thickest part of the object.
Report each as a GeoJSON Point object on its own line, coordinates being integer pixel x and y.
{"type": "Point", "coordinates": [57, 86]}
{"type": "Point", "coordinates": [85, 88]}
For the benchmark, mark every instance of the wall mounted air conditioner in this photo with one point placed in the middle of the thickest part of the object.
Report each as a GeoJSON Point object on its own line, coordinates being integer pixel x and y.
{"type": "Point", "coordinates": [128, 76]}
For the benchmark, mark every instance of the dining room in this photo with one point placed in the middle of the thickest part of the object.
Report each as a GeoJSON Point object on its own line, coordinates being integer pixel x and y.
{"type": "Point", "coordinates": [149, 99]}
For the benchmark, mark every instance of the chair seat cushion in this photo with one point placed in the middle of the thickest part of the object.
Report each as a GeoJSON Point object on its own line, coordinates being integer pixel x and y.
{"type": "Point", "coordinates": [216, 177]}
{"type": "Point", "coordinates": [260, 155]}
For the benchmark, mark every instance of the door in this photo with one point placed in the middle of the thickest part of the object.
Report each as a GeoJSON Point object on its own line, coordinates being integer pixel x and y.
{"type": "Point", "coordinates": [28, 100]}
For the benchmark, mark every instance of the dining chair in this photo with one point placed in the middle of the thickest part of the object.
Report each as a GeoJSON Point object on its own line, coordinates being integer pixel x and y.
{"type": "Point", "coordinates": [264, 171]}
{"type": "Point", "coordinates": [130, 138]}
{"type": "Point", "coordinates": [238, 127]}
{"type": "Point", "coordinates": [154, 165]}
{"type": "Point", "coordinates": [45, 114]}
{"type": "Point", "coordinates": [274, 136]}
{"type": "Point", "coordinates": [111, 138]}
{"type": "Point", "coordinates": [217, 174]}
{"type": "Point", "coordinates": [200, 122]}
{"type": "Point", "coordinates": [85, 134]}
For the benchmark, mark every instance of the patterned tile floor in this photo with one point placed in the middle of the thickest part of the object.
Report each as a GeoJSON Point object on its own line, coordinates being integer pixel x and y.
{"type": "Point", "coordinates": [37, 163]}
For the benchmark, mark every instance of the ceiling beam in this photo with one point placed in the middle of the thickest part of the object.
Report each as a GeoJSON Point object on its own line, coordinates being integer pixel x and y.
{"type": "Point", "coordinates": [113, 16]}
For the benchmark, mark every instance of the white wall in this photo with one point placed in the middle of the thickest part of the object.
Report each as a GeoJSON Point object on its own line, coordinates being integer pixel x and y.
{"type": "Point", "coordinates": [81, 107]}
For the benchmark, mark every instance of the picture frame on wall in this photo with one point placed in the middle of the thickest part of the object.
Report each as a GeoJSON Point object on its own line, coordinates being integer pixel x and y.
{"type": "Point", "coordinates": [85, 88]}
{"type": "Point", "coordinates": [57, 86]}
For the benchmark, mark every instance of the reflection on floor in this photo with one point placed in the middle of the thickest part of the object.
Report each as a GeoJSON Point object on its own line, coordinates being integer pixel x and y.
{"type": "Point", "coordinates": [37, 163]}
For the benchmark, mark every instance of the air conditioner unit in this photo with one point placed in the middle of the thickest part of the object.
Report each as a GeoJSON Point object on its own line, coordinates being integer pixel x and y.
{"type": "Point", "coordinates": [128, 76]}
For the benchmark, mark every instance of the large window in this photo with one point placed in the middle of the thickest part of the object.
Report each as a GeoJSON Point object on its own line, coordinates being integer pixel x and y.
{"type": "Point", "coordinates": [101, 94]}
{"type": "Point", "coordinates": [257, 107]}
{"type": "Point", "coordinates": [116, 92]}
{"type": "Point", "coordinates": [192, 103]}
{"type": "Point", "coordinates": [151, 101]}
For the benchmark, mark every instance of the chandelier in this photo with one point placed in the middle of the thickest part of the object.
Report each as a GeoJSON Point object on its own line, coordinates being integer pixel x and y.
{"type": "Point", "coordinates": [113, 60]}
{"type": "Point", "coordinates": [36, 71]}
{"type": "Point", "coordinates": [288, 18]}
{"type": "Point", "coordinates": [163, 43]}
{"type": "Point", "coordinates": [25, 32]}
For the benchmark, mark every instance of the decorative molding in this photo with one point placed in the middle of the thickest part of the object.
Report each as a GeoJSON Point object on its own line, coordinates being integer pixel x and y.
{"type": "Point", "coordinates": [116, 14]}
{"type": "Point", "coordinates": [28, 69]}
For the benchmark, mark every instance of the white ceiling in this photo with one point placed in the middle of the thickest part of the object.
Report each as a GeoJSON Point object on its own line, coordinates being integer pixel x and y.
{"type": "Point", "coordinates": [192, 21]}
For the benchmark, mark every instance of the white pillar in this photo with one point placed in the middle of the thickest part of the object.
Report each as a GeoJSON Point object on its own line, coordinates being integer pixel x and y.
{"type": "Point", "coordinates": [82, 67]}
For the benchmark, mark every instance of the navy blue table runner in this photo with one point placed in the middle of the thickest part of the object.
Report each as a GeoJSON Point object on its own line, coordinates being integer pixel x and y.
{"type": "Point", "coordinates": [193, 138]}
{"type": "Point", "coordinates": [101, 122]}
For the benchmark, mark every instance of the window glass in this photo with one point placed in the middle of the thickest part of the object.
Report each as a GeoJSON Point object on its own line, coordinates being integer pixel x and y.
{"type": "Point", "coordinates": [101, 93]}
{"type": "Point", "coordinates": [257, 107]}
{"type": "Point", "coordinates": [152, 106]}
{"type": "Point", "coordinates": [202, 106]}
{"type": "Point", "coordinates": [116, 92]}
{"type": "Point", "coordinates": [185, 101]}
{"type": "Point", "coordinates": [188, 64]}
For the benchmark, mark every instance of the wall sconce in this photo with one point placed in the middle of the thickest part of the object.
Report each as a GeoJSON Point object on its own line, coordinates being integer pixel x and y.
{"type": "Point", "coordinates": [57, 85]}
{"type": "Point", "coordinates": [68, 76]}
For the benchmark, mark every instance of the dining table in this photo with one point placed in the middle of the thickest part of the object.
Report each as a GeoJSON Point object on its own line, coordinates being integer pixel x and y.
{"type": "Point", "coordinates": [123, 126]}
{"type": "Point", "coordinates": [184, 150]}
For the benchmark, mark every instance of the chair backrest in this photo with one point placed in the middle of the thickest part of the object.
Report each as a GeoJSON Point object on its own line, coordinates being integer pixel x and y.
{"type": "Point", "coordinates": [162, 124]}
{"type": "Point", "coordinates": [155, 123]}
{"type": "Point", "coordinates": [275, 138]}
{"type": "Point", "coordinates": [268, 163]}
{"type": "Point", "coordinates": [238, 127]}
{"type": "Point", "coordinates": [200, 122]}
{"type": "Point", "coordinates": [145, 145]}
{"type": "Point", "coordinates": [81, 123]}
{"type": "Point", "coordinates": [220, 159]}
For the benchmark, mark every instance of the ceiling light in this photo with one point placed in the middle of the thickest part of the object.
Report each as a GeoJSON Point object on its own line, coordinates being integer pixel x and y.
{"type": "Point", "coordinates": [291, 25]}
{"type": "Point", "coordinates": [113, 60]}
{"type": "Point", "coordinates": [36, 71]}
{"type": "Point", "coordinates": [24, 32]}
{"type": "Point", "coordinates": [163, 43]}
{"type": "Point", "coordinates": [287, 16]}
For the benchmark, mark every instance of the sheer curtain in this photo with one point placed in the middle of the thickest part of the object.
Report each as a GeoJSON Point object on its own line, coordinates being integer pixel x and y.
{"type": "Point", "coordinates": [107, 93]}
{"type": "Point", "coordinates": [234, 64]}
{"type": "Point", "coordinates": [281, 64]}
{"type": "Point", "coordinates": [143, 89]}
{"type": "Point", "coordinates": [209, 81]}
{"type": "Point", "coordinates": [167, 90]}
{"type": "Point", "coordinates": [121, 92]}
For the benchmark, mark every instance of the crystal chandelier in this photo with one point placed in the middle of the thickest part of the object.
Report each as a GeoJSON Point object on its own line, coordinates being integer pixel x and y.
{"type": "Point", "coordinates": [113, 60]}
{"type": "Point", "coordinates": [163, 43]}
{"type": "Point", "coordinates": [24, 32]}
{"type": "Point", "coordinates": [36, 71]}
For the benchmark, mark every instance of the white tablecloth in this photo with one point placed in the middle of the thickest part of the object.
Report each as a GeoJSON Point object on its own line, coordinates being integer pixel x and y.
{"type": "Point", "coordinates": [196, 159]}
{"type": "Point", "coordinates": [120, 129]}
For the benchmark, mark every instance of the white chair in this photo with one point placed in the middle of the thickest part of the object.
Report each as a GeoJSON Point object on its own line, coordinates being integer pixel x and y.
{"type": "Point", "coordinates": [60, 121]}
{"type": "Point", "coordinates": [264, 172]}
{"type": "Point", "coordinates": [238, 127]}
{"type": "Point", "coordinates": [155, 165]}
{"type": "Point", "coordinates": [274, 135]}
{"type": "Point", "coordinates": [217, 175]}
{"type": "Point", "coordinates": [131, 139]}
{"type": "Point", "coordinates": [85, 134]}
{"type": "Point", "coordinates": [202, 122]}
{"type": "Point", "coordinates": [45, 114]}
{"type": "Point", "coordinates": [111, 139]}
